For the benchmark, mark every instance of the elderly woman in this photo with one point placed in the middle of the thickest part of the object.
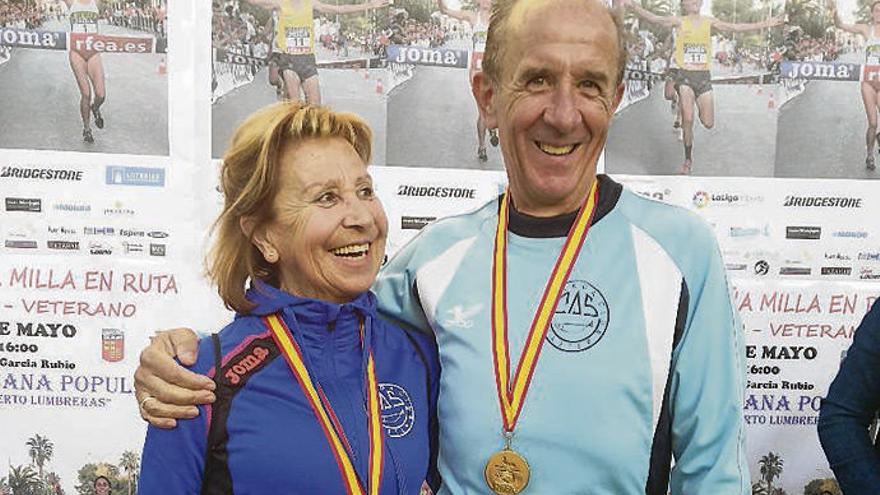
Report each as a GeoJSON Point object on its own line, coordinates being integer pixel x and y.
{"type": "Point", "coordinates": [315, 393]}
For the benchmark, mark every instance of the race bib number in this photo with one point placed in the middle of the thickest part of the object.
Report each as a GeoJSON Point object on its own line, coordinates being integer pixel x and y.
{"type": "Point", "coordinates": [298, 39]}
{"type": "Point", "coordinates": [695, 54]}
{"type": "Point", "coordinates": [872, 53]}
{"type": "Point", "coordinates": [84, 21]}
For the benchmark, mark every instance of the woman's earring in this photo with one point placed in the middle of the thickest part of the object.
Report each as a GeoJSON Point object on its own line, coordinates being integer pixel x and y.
{"type": "Point", "coordinates": [272, 256]}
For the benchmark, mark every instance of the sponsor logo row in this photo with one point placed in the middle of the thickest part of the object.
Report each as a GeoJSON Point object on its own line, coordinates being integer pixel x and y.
{"type": "Point", "coordinates": [114, 175]}
{"type": "Point", "coordinates": [793, 267]}
{"type": "Point", "coordinates": [93, 247]}
{"type": "Point", "coordinates": [764, 268]}
{"type": "Point", "coordinates": [795, 232]}
{"type": "Point", "coordinates": [108, 231]}
{"type": "Point", "coordinates": [813, 233]}
{"type": "Point", "coordinates": [704, 199]}
{"type": "Point", "coordinates": [36, 205]}
{"type": "Point", "coordinates": [90, 231]}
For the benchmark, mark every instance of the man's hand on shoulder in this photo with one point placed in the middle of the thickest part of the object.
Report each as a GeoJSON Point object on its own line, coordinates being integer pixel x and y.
{"type": "Point", "coordinates": [164, 389]}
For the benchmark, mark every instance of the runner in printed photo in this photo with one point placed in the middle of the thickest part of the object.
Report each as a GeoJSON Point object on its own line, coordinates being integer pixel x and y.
{"type": "Point", "coordinates": [46, 42]}
{"type": "Point", "coordinates": [310, 51]}
{"type": "Point", "coordinates": [479, 22]}
{"type": "Point", "coordinates": [870, 87]}
{"type": "Point", "coordinates": [293, 44]}
{"type": "Point", "coordinates": [87, 65]}
{"type": "Point", "coordinates": [693, 60]}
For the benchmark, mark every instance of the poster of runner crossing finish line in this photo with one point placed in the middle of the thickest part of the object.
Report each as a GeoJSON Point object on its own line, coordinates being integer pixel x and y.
{"type": "Point", "coordinates": [832, 61]}
{"type": "Point", "coordinates": [701, 90]}
{"type": "Point", "coordinates": [437, 56]}
{"type": "Point", "coordinates": [84, 75]}
{"type": "Point", "coordinates": [329, 52]}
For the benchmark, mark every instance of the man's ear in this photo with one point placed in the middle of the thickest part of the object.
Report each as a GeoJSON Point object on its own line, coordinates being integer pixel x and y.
{"type": "Point", "coordinates": [484, 92]}
{"type": "Point", "coordinates": [259, 238]}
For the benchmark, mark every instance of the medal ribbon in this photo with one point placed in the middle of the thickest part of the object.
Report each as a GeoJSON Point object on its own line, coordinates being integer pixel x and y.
{"type": "Point", "coordinates": [324, 412]}
{"type": "Point", "coordinates": [511, 396]}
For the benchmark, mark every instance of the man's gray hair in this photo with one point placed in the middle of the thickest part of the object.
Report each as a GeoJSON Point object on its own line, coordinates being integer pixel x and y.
{"type": "Point", "coordinates": [496, 39]}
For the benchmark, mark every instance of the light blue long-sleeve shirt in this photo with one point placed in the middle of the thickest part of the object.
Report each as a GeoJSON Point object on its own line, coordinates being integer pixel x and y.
{"type": "Point", "coordinates": [643, 362]}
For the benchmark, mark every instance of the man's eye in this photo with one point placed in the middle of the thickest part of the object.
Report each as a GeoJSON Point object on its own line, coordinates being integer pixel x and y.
{"type": "Point", "coordinates": [537, 82]}
{"type": "Point", "coordinates": [588, 84]}
{"type": "Point", "coordinates": [589, 87]}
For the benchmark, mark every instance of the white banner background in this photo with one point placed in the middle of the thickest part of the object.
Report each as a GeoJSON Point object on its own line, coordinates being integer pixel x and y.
{"type": "Point", "coordinates": [795, 254]}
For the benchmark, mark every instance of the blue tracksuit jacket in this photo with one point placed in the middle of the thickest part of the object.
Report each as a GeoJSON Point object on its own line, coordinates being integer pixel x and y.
{"type": "Point", "coordinates": [267, 438]}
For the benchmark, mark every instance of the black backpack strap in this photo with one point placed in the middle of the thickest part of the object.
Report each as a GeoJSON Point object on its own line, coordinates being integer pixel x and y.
{"type": "Point", "coordinates": [217, 479]}
{"type": "Point", "coordinates": [230, 379]}
{"type": "Point", "coordinates": [215, 339]}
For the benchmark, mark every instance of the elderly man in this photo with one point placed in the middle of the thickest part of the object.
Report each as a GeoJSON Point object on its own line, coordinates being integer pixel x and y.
{"type": "Point", "coordinates": [586, 334]}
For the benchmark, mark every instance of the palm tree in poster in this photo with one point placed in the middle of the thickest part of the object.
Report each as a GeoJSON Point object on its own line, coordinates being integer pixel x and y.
{"type": "Point", "coordinates": [771, 468]}
{"type": "Point", "coordinates": [40, 449]}
{"type": "Point", "coordinates": [130, 463]}
{"type": "Point", "coordinates": [23, 480]}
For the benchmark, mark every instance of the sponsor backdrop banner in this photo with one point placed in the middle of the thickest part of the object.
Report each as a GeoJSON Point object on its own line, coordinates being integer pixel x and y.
{"type": "Point", "coordinates": [797, 334]}
{"type": "Point", "coordinates": [102, 243]}
{"type": "Point", "coordinates": [97, 252]}
{"type": "Point", "coordinates": [804, 265]}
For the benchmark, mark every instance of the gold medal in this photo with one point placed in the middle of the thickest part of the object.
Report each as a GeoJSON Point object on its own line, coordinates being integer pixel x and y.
{"type": "Point", "coordinates": [507, 473]}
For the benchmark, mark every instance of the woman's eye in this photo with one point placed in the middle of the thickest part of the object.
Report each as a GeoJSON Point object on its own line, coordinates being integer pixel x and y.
{"type": "Point", "coordinates": [327, 198]}
{"type": "Point", "coordinates": [366, 192]}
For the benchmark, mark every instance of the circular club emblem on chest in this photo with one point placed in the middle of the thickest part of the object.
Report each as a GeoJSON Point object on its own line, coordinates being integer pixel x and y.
{"type": "Point", "coordinates": [398, 413]}
{"type": "Point", "coordinates": [581, 318]}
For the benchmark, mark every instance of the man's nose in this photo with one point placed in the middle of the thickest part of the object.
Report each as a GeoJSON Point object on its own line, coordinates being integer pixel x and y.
{"type": "Point", "coordinates": [562, 113]}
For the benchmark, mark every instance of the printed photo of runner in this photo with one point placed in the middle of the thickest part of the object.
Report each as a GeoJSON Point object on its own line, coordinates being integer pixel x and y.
{"type": "Point", "coordinates": [830, 77]}
{"type": "Point", "coordinates": [701, 88]}
{"type": "Point", "coordinates": [432, 59]}
{"type": "Point", "coordinates": [84, 75]}
{"type": "Point", "coordinates": [328, 52]}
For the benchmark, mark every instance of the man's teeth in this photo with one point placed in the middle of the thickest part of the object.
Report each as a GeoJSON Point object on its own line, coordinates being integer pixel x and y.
{"type": "Point", "coordinates": [352, 251]}
{"type": "Point", "coordinates": [556, 150]}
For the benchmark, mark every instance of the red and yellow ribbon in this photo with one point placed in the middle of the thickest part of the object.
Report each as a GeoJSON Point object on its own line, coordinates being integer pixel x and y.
{"type": "Point", "coordinates": [324, 412]}
{"type": "Point", "coordinates": [512, 396]}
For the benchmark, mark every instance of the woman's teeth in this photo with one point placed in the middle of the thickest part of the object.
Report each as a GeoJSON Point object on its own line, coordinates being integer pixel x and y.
{"type": "Point", "coordinates": [352, 251]}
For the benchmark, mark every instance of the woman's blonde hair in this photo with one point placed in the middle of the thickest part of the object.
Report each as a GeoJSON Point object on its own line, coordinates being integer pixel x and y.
{"type": "Point", "coordinates": [249, 182]}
